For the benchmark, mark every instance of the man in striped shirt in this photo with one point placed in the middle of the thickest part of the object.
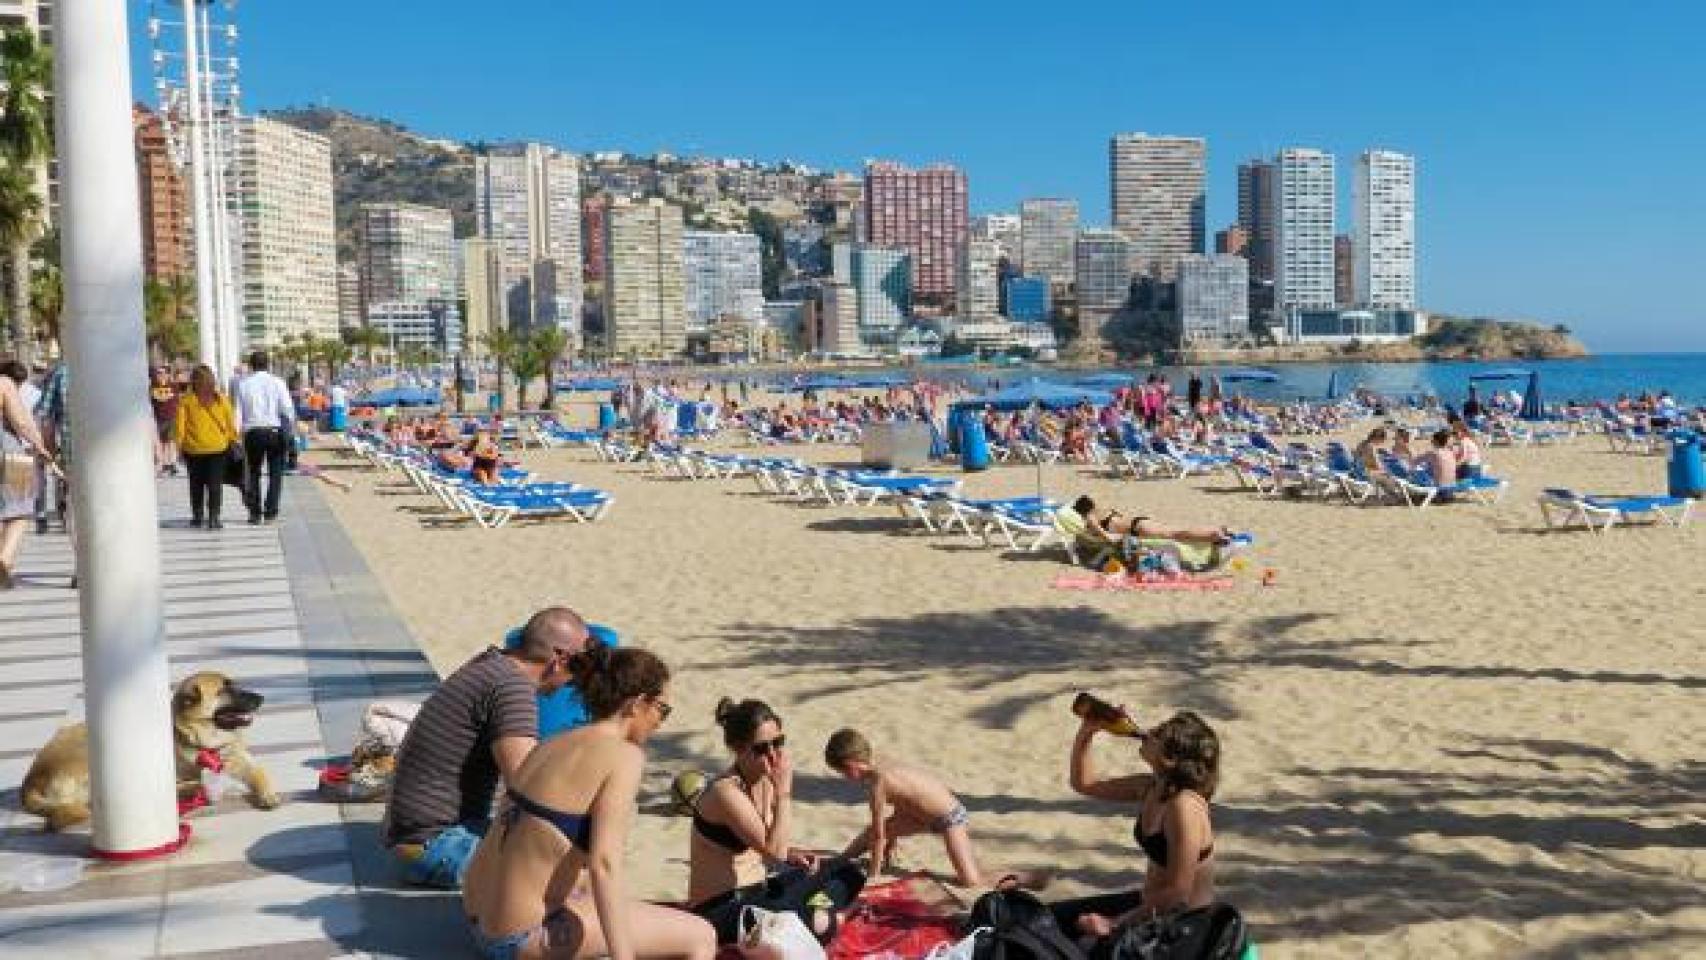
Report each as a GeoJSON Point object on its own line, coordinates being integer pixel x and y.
{"type": "Point", "coordinates": [470, 735]}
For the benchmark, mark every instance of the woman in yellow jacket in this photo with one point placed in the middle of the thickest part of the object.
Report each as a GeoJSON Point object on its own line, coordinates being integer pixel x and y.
{"type": "Point", "coordinates": [206, 430]}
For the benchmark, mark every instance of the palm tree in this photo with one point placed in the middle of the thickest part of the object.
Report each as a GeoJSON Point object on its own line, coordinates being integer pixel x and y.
{"type": "Point", "coordinates": [500, 346]}
{"type": "Point", "coordinates": [165, 303]}
{"type": "Point", "coordinates": [526, 361]}
{"type": "Point", "coordinates": [368, 339]}
{"type": "Point", "coordinates": [26, 70]}
{"type": "Point", "coordinates": [549, 343]}
{"type": "Point", "coordinates": [334, 354]}
{"type": "Point", "coordinates": [47, 301]}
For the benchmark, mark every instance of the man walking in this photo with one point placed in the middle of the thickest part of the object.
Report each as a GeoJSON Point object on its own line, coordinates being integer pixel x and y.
{"type": "Point", "coordinates": [265, 412]}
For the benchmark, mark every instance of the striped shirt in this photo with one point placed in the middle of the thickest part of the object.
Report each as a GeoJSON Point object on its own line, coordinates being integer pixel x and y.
{"type": "Point", "coordinates": [446, 773]}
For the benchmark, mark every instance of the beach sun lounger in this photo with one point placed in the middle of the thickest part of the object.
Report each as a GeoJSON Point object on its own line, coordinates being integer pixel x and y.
{"type": "Point", "coordinates": [1561, 507]}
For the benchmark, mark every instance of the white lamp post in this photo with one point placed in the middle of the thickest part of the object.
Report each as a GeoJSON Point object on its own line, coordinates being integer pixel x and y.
{"type": "Point", "coordinates": [132, 779]}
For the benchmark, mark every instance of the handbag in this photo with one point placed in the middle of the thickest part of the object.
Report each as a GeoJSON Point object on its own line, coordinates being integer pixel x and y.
{"type": "Point", "coordinates": [235, 474]}
{"type": "Point", "coordinates": [778, 935]}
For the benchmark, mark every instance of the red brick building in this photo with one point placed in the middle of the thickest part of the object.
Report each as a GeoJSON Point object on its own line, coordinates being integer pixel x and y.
{"type": "Point", "coordinates": [925, 213]}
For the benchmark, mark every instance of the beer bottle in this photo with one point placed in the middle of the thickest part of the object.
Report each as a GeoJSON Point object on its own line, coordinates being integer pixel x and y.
{"type": "Point", "coordinates": [1105, 715]}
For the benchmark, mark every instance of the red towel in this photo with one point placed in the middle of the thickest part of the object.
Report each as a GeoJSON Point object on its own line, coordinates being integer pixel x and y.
{"type": "Point", "coordinates": [906, 917]}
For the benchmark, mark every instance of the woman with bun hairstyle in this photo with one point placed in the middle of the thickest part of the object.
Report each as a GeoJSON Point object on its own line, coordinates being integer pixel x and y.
{"type": "Point", "coordinates": [546, 882]}
{"type": "Point", "coordinates": [741, 830]}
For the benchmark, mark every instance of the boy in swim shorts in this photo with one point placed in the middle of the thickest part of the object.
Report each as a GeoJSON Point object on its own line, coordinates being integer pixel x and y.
{"type": "Point", "coordinates": [906, 801]}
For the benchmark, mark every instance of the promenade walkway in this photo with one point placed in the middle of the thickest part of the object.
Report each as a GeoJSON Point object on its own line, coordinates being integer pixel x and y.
{"type": "Point", "coordinates": [291, 612]}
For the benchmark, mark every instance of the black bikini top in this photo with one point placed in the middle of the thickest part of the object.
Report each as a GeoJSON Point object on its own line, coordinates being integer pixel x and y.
{"type": "Point", "coordinates": [717, 833]}
{"type": "Point", "coordinates": [1154, 845]}
{"type": "Point", "coordinates": [575, 827]}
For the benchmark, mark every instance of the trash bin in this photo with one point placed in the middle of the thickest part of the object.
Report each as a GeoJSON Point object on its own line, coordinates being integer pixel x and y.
{"type": "Point", "coordinates": [1687, 475]}
{"type": "Point", "coordinates": [974, 446]}
{"type": "Point", "coordinates": [606, 418]}
{"type": "Point", "coordinates": [337, 419]}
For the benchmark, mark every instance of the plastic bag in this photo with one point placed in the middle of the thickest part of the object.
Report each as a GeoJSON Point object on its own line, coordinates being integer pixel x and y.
{"type": "Point", "coordinates": [769, 935]}
{"type": "Point", "coordinates": [963, 950]}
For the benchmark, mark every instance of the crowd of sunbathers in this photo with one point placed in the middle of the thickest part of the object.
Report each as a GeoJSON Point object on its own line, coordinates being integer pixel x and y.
{"type": "Point", "coordinates": [1448, 455]}
{"type": "Point", "coordinates": [558, 718]}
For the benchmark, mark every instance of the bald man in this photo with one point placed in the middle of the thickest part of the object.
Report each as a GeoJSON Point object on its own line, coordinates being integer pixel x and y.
{"type": "Point", "coordinates": [471, 734]}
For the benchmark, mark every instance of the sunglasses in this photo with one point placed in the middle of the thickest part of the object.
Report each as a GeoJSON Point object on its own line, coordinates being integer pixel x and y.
{"type": "Point", "coordinates": [665, 708]}
{"type": "Point", "coordinates": [763, 747]}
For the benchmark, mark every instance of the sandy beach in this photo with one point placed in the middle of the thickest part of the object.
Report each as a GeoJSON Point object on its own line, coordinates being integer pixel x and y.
{"type": "Point", "coordinates": [1447, 734]}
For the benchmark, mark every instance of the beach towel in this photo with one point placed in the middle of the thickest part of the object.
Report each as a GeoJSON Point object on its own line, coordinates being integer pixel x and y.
{"type": "Point", "coordinates": [1121, 581]}
{"type": "Point", "coordinates": [906, 918]}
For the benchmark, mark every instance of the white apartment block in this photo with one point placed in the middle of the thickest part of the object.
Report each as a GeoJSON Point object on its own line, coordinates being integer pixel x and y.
{"type": "Point", "coordinates": [483, 288]}
{"type": "Point", "coordinates": [1383, 201]}
{"type": "Point", "coordinates": [645, 311]}
{"type": "Point", "coordinates": [283, 197]}
{"type": "Point", "coordinates": [408, 254]}
{"type": "Point", "coordinates": [1213, 298]}
{"type": "Point", "coordinates": [1006, 229]}
{"type": "Point", "coordinates": [979, 286]}
{"type": "Point", "coordinates": [1048, 229]}
{"type": "Point", "coordinates": [1304, 211]}
{"type": "Point", "coordinates": [1104, 267]}
{"type": "Point", "coordinates": [529, 204]}
{"type": "Point", "coordinates": [724, 277]}
{"type": "Point", "coordinates": [1158, 197]}
{"type": "Point", "coordinates": [838, 324]}
{"type": "Point", "coordinates": [882, 277]}
{"type": "Point", "coordinates": [415, 324]}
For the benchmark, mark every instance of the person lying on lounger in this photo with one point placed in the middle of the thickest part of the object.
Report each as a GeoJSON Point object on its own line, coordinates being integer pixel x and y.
{"type": "Point", "coordinates": [1112, 525]}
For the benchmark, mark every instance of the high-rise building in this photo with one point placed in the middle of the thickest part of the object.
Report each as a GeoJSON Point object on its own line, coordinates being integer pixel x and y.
{"type": "Point", "coordinates": [645, 310]}
{"type": "Point", "coordinates": [1158, 197]}
{"type": "Point", "coordinates": [1006, 229]}
{"type": "Point", "coordinates": [980, 280]}
{"type": "Point", "coordinates": [165, 199]}
{"type": "Point", "coordinates": [349, 297]}
{"type": "Point", "coordinates": [1344, 282]}
{"type": "Point", "coordinates": [592, 236]}
{"type": "Point", "coordinates": [289, 237]}
{"type": "Point", "coordinates": [838, 321]}
{"type": "Point", "coordinates": [1234, 240]}
{"type": "Point", "coordinates": [1213, 299]}
{"type": "Point", "coordinates": [882, 278]}
{"type": "Point", "coordinates": [1104, 267]}
{"type": "Point", "coordinates": [723, 277]}
{"type": "Point", "coordinates": [1256, 216]}
{"type": "Point", "coordinates": [1048, 229]}
{"type": "Point", "coordinates": [528, 201]}
{"type": "Point", "coordinates": [1383, 195]}
{"type": "Point", "coordinates": [482, 289]}
{"type": "Point", "coordinates": [1304, 210]}
{"type": "Point", "coordinates": [437, 325]}
{"type": "Point", "coordinates": [1028, 299]}
{"type": "Point", "coordinates": [923, 212]}
{"type": "Point", "coordinates": [407, 254]}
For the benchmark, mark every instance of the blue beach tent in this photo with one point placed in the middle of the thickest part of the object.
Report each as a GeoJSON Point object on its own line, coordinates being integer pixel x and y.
{"type": "Point", "coordinates": [1532, 406]}
{"type": "Point", "coordinates": [1247, 375]}
{"type": "Point", "coordinates": [401, 397]}
{"type": "Point", "coordinates": [1035, 392]}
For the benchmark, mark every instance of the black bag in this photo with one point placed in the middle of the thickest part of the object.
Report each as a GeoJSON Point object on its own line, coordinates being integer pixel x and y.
{"type": "Point", "coordinates": [235, 474]}
{"type": "Point", "coordinates": [1019, 927]}
{"type": "Point", "coordinates": [1214, 932]}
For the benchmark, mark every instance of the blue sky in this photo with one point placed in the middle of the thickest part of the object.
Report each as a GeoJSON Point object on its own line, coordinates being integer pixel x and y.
{"type": "Point", "coordinates": [1559, 144]}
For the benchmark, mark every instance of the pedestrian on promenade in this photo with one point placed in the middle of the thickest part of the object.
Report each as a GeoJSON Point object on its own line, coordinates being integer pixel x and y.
{"type": "Point", "coordinates": [163, 399]}
{"type": "Point", "coordinates": [20, 446]}
{"type": "Point", "coordinates": [207, 430]}
{"type": "Point", "coordinates": [266, 413]}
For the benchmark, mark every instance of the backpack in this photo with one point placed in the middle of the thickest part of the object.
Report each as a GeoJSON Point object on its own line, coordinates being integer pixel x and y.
{"type": "Point", "coordinates": [1011, 924]}
{"type": "Point", "coordinates": [1214, 932]}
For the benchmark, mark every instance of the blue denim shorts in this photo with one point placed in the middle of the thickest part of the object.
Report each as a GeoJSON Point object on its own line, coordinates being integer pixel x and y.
{"type": "Point", "coordinates": [445, 858]}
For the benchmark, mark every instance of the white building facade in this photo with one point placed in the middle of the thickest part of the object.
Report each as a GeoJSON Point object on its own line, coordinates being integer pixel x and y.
{"type": "Point", "coordinates": [1104, 268]}
{"type": "Point", "coordinates": [1158, 197]}
{"type": "Point", "coordinates": [645, 311]}
{"type": "Point", "coordinates": [1048, 230]}
{"type": "Point", "coordinates": [1383, 201]}
{"type": "Point", "coordinates": [1006, 229]}
{"type": "Point", "coordinates": [979, 285]}
{"type": "Point", "coordinates": [528, 202]}
{"type": "Point", "coordinates": [416, 324]}
{"type": "Point", "coordinates": [289, 237]}
{"type": "Point", "coordinates": [1305, 207]}
{"type": "Point", "coordinates": [882, 278]}
{"type": "Point", "coordinates": [407, 254]}
{"type": "Point", "coordinates": [723, 276]}
{"type": "Point", "coordinates": [1213, 299]}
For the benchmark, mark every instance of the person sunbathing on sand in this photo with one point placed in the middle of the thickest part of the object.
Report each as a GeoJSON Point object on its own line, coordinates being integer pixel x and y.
{"type": "Point", "coordinates": [920, 803]}
{"type": "Point", "coordinates": [1112, 525]}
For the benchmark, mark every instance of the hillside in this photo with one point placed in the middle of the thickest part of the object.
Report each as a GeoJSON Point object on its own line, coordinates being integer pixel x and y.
{"type": "Point", "coordinates": [1484, 338]}
{"type": "Point", "coordinates": [377, 160]}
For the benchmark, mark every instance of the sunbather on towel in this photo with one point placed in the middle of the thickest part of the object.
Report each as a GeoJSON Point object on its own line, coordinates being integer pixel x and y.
{"type": "Point", "coordinates": [920, 803]}
{"type": "Point", "coordinates": [1113, 525]}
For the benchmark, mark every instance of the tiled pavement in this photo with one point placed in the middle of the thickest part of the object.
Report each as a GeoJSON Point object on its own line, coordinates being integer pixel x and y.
{"type": "Point", "coordinates": [291, 612]}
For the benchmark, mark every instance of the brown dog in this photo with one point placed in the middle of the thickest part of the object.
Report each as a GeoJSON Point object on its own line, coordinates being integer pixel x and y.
{"type": "Point", "coordinates": [209, 713]}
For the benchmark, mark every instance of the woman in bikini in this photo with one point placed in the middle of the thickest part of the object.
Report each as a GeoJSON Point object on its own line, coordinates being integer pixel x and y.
{"type": "Point", "coordinates": [1113, 525]}
{"type": "Point", "coordinates": [742, 824]}
{"type": "Point", "coordinates": [546, 882]}
{"type": "Point", "coordinates": [1173, 828]}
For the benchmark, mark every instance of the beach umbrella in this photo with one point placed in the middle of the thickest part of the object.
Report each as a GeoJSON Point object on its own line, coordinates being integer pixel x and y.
{"type": "Point", "coordinates": [1333, 385]}
{"type": "Point", "coordinates": [1036, 395]}
{"type": "Point", "coordinates": [402, 397]}
{"type": "Point", "coordinates": [1248, 375]}
{"type": "Point", "coordinates": [1532, 407]}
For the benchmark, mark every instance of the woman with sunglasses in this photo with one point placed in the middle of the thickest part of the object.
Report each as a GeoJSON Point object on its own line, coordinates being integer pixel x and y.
{"type": "Point", "coordinates": [546, 881]}
{"type": "Point", "coordinates": [741, 829]}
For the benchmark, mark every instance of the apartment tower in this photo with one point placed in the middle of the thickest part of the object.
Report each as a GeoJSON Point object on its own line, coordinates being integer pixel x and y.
{"type": "Point", "coordinates": [407, 254]}
{"type": "Point", "coordinates": [1105, 270]}
{"type": "Point", "coordinates": [723, 277]}
{"type": "Point", "coordinates": [1304, 210]}
{"type": "Point", "coordinates": [1048, 231]}
{"type": "Point", "coordinates": [923, 212]}
{"type": "Point", "coordinates": [1383, 200]}
{"type": "Point", "coordinates": [165, 201]}
{"type": "Point", "coordinates": [980, 280]}
{"type": "Point", "coordinates": [1256, 217]}
{"type": "Point", "coordinates": [289, 237]}
{"type": "Point", "coordinates": [1158, 198]}
{"type": "Point", "coordinates": [527, 200]}
{"type": "Point", "coordinates": [644, 288]}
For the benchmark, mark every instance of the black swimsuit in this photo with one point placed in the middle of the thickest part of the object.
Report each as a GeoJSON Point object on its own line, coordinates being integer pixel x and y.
{"type": "Point", "coordinates": [575, 827]}
{"type": "Point", "coordinates": [717, 833]}
{"type": "Point", "coordinates": [1155, 844]}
